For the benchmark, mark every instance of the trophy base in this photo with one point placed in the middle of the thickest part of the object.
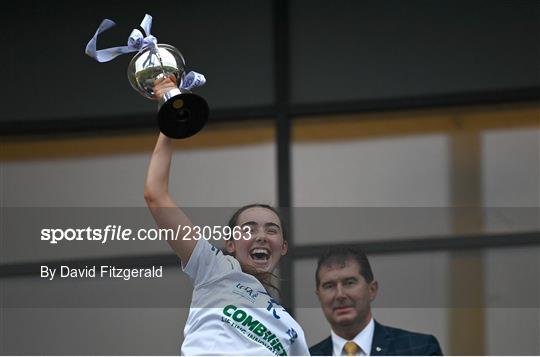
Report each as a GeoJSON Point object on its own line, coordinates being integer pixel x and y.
{"type": "Point", "coordinates": [183, 115]}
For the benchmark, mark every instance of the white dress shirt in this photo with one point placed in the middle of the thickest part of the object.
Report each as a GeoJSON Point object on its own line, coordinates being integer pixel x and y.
{"type": "Point", "coordinates": [364, 340]}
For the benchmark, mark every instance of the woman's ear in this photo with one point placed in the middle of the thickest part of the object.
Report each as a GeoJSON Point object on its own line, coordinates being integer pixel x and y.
{"type": "Point", "coordinates": [230, 247]}
{"type": "Point", "coordinates": [284, 247]}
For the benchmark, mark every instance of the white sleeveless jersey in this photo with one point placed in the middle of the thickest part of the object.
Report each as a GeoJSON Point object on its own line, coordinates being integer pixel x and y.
{"type": "Point", "coordinates": [232, 314]}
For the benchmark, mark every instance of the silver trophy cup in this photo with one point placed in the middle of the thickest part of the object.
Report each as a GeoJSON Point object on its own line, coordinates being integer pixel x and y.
{"type": "Point", "coordinates": [181, 113]}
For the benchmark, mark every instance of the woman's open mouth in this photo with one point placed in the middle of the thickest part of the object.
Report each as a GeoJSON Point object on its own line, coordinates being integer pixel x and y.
{"type": "Point", "coordinates": [261, 256]}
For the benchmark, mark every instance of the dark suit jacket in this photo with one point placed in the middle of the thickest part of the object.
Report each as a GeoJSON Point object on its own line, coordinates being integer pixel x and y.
{"type": "Point", "coordinates": [388, 341]}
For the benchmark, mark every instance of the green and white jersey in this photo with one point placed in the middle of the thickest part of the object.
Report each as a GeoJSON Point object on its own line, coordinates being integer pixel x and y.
{"type": "Point", "coordinates": [232, 314]}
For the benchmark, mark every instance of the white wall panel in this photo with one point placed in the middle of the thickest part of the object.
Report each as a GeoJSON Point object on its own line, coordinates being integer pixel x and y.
{"type": "Point", "coordinates": [511, 179]}
{"type": "Point", "coordinates": [407, 171]}
{"type": "Point", "coordinates": [399, 183]}
{"type": "Point", "coordinates": [39, 194]}
{"type": "Point", "coordinates": [512, 318]}
{"type": "Point", "coordinates": [222, 177]}
{"type": "Point", "coordinates": [511, 167]}
{"type": "Point", "coordinates": [93, 331]}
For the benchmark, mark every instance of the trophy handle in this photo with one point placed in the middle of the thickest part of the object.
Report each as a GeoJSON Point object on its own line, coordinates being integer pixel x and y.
{"type": "Point", "coordinates": [182, 114]}
{"type": "Point", "coordinates": [168, 95]}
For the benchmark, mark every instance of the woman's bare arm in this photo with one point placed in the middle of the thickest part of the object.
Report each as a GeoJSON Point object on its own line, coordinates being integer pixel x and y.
{"type": "Point", "coordinates": [156, 189]}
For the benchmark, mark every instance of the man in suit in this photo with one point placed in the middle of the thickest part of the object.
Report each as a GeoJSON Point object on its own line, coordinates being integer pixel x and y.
{"type": "Point", "coordinates": [346, 288]}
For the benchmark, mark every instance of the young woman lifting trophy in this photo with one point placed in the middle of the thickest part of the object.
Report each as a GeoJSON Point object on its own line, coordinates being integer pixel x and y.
{"type": "Point", "coordinates": [181, 112]}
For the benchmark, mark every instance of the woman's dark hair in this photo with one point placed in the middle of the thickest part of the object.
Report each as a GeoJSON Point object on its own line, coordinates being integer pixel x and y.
{"type": "Point", "coordinates": [234, 218]}
{"type": "Point", "coordinates": [266, 278]}
{"type": "Point", "coordinates": [338, 256]}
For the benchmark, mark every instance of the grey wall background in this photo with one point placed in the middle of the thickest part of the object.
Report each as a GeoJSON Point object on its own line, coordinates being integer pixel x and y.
{"type": "Point", "coordinates": [230, 42]}
{"type": "Point", "coordinates": [339, 51]}
{"type": "Point", "coordinates": [365, 50]}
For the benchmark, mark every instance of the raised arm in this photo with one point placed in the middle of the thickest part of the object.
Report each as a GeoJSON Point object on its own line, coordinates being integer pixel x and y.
{"type": "Point", "coordinates": [156, 189]}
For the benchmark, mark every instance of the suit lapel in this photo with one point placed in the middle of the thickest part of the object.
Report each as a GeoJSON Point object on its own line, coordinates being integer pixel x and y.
{"type": "Point", "coordinates": [381, 341]}
{"type": "Point", "coordinates": [328, 347]}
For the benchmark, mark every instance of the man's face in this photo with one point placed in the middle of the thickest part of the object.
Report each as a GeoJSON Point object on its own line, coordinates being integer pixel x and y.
{"type": "Point", "coordinates": [344, 294]}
